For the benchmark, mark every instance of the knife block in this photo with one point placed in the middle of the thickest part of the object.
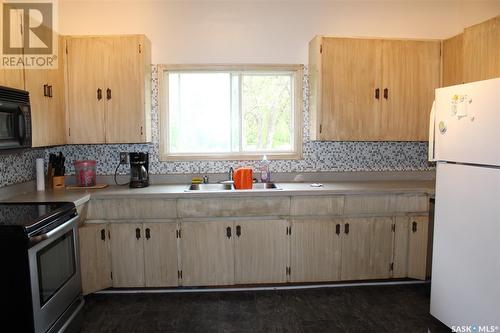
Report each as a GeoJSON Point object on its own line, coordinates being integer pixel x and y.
{"type": "Point", "coordinates": [58, 182]}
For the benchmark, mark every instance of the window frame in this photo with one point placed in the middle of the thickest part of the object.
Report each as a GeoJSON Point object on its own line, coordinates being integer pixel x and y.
{"type": "Point", "coordinates": [163, 116]}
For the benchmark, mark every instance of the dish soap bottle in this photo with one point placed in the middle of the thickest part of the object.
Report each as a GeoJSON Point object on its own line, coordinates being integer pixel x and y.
{"type": "Point", "coordinates": [265, 174]}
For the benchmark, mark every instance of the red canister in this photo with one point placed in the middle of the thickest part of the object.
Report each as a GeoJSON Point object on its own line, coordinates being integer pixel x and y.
{"type": "Point", "coordinates": [243, 178]}
{"type": "Point", "coordinates": [85, 173]}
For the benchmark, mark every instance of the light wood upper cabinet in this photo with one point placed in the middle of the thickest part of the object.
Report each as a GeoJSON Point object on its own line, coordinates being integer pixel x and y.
{"type": "Point", "coordinates": [453, 61]}
{"type": "Point", "coordinates": [348, 70]}
{"type": "Point", "coordinates": [109, 92]}
{"type": "Point", "coordinates": [160, 254]}
{"type": "Point", "coordinates": [410, 73]}
{"type": "Point", "coordinates": [95, 260]}
{"type": "Point", "coordinates": [372, 89]}
{"type": "Point", "coordinates": [315, 250]}
{"type": "Point", "coordinates": [207, 253]}
{"type": "Point", "coordinates": [261, 252]}
{"type": "Point", "coordinates": [481, 47]}
{"type": "Point", "coordinates": [48, 118]}
{"type": "Point", "coordinates": [12, 78]}
{"type": "Point", "coordinates": [127, 254]}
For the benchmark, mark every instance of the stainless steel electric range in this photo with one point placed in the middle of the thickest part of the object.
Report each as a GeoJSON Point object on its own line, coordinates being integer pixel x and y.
{"type": "Point", "coordinates": [40, 274]}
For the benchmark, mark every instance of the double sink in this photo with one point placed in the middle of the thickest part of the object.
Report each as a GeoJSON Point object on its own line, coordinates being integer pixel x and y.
{"type": "Point", "coordinates": [222, 187]}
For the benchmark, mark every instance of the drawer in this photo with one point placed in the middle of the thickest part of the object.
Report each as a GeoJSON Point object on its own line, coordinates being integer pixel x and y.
{"type": "Point", "coordinates": [386, 203]}
{"type": "Point", "coordinates": [134, 208]}
{"type": "Point", "coordinates": [317, 205]}
{"type": "Point", "coordinates": [250, 206]}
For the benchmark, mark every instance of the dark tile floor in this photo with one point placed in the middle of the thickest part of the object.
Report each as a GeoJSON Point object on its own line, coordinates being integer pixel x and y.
{"type": "Point", "coordinates": [400, 308]}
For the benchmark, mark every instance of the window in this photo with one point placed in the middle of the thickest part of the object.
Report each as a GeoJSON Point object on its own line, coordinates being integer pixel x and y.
{"type": "Point", "coordinates": [231, 112]}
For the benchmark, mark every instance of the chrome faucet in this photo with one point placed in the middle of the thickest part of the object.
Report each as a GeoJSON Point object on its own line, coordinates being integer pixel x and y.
{"type": "Point", "coordinates": [205, 179]}
{"type": "Point", "coordinates": [231, 174]}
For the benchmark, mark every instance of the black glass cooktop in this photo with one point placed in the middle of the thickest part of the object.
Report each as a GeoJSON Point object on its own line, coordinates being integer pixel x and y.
{"type": "Point", "coordinates": [28, 217]}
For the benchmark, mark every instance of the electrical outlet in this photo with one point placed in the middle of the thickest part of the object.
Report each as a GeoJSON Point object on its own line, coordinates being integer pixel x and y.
{"type": "Point", "coordinates": [124, 158]}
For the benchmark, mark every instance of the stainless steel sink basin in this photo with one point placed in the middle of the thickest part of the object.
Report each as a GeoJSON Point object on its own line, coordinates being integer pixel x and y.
{"type": "Point", "coordinates": [229, 187]}
{"type": "Point", "coordinates": [210, 187]}
{"type": "Point", "coordinates": [265, 186]}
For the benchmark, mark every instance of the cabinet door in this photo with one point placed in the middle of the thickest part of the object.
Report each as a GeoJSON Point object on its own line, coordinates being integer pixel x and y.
{"type": "Point", "coordinates": [401, 243]}
{"type": "Point", "coordinates": [367, 245]}
{"type": "Point", "coordinates": [482, 51]}
{"type": "Point", "coordinates": [350, 74]}
{"type": "Point", "coordinates": [315, 250]}
{"type": "Point", "coordinates": [410, 74]}
{"type": "Point", "coordinates": [126, 113]}
{"type": "Point", "coordinates": [127, 254]}
{"type": "Point", "coordinates": [417, 248]}
{"type": "Point", "coordinates": [160, 254]}
{"type": "Point", "coordinates": [12, 78]}
{"type": "Point", "coordinates": [86, 68]}
{"type": "Point", "coordinates": [453, 61]}
{"type": "Point", "coordinates": [261, 251]}
{"type": "Point", "coordinates": [36, 85]}
{"type": "Point", "coordinates": [207, 254]}
{"type": "Point", "coordinates": [95, 263]}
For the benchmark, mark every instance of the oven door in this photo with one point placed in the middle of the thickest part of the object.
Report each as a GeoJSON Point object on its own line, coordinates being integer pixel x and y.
{"type": "Point", "coordinates": [55, 274]}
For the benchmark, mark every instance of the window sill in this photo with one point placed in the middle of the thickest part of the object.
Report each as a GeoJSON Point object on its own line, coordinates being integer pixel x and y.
{"type": "Point", "coordinates": [229, 157]}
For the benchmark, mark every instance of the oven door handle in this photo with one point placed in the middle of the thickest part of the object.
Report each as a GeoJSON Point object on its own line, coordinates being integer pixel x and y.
{"type": "Point", "coordinates": [40, 238]}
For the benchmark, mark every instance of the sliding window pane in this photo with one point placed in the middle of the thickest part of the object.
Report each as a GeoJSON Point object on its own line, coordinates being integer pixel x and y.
{"type": "Point", "coordinates": [267, 112]}
{"type": "Point", "coordinates": [199, 112]}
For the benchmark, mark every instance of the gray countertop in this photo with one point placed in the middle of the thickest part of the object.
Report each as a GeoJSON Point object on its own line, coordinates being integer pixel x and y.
{"type": "Point", "coordinates": [178, 191]}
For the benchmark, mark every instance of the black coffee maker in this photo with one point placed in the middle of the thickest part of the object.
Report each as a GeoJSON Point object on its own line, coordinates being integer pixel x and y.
{"type": "Point", "coordinates": [139, 170]}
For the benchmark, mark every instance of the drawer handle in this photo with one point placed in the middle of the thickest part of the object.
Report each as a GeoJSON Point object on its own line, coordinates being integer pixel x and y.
{"type": "Point", "coordinates": [238, 230]}
{"type": "Point", "coordinates": [414, 226]}
{"type": "Point", "coordinates": [377, 93]}
{"type": "Point", "coordinates": [103, 234]}
{"type": "Point", "coordinates": [346, 228]}
{"type": "Point", "coordinates": [228, 232]}
{"type": "Point", "coordinates": [337, 229]}
{"type": "Point", "coordinates": [137, 233]}
{"type": "Point", "coordinates": [148, 233]}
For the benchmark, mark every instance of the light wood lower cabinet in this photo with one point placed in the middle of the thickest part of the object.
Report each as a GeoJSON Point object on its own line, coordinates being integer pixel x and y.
{"type": "Point", "coordinates": [127, 254]}
{"type": "Point", "coordinates": [207, 253]}
{"type": "Point", "coordinates": [160, 254]}
{"type": "Point", "coordinates": [367, 246]}
{"type": "Point", "coordinates": [261, 252]}
{"type": "Point", "coordinates": [95, 261]}
{"type": "Point", "coordinates": [417, 249]}
{"type": "Point", "coordinates": [315, 250]}
{"type": "Point", "coordinates": [144, 254]}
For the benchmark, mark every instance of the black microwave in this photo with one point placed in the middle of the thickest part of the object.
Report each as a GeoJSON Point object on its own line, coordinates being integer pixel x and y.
{"type": "Point", "coordinates": [15, 119]}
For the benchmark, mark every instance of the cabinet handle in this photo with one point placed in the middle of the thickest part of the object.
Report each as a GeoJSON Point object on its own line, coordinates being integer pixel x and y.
{"type": "Point", "coordinates": [337, 229]}
{"type": "Point", "coordinates": [103, 234]}
{"type": "Point", "coordinates": [137, 233]}
{"type": "Point", "coordinates": [377, 93]}
{"type": "Point", "coordinates": [46, 90]}
{"type": "Point", "coordinates": [148, 233]}
{"type": "Point", "coordinates": [346, 228]}
{"type": "Point", "coordinates": [386, 93]}
{"type": "Point", "coordinates": [108, 94]}
{"type": "Point", "coordinates": [414, 226]}
{"type": "Point", "coordinates": [141, 130]}
{"type": "Point", "coordinates": [50, 91]}
{"type": "Point", "coordinates": [238, 230]}
{"type": "Point", "coordinates": [228, 232]}
{"type": "Point", "coordinates": [99, 94]}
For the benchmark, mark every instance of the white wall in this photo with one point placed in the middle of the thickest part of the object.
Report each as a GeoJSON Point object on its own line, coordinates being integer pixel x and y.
{"type": "Point", "coordinates": [265, 31]}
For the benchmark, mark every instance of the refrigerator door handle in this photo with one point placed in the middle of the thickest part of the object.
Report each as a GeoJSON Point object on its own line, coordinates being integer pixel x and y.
{"type": "Point", "coordinates": [432, 125]}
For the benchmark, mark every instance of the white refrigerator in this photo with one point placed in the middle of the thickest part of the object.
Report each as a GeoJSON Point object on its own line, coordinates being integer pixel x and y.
{"type": "Point", "coordinates": [465, 124]}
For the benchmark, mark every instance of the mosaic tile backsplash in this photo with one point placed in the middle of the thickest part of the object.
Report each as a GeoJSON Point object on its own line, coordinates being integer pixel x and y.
{"type": "Point", "coordinates": [317, 156]}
